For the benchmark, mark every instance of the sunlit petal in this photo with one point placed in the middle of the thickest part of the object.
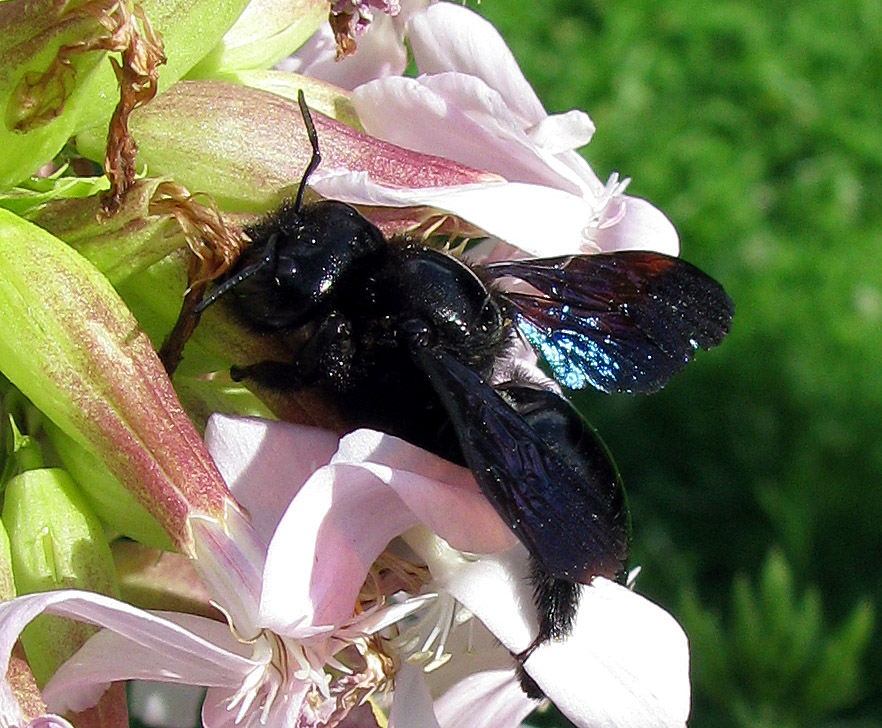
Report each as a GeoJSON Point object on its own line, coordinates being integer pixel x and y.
{"type": "Point", "coordinates": [459, 117]}
{"type": "Point", "coordinates": [178, 651]}
{"type": "Point", "coordinates": [537, 220]}
{"type": "Point", "coordinates": [375, 488]}
{"type": "Point", "coordinates": [412, 707]}
{"type": "Point", "coordinates": [642, 227]}
{"type": "Point", "coordinates": [255, 458]}
{"type": "Point", "coordinates": [488, 699]}
{"type": "Point", "coordinates": [626, 663]}
{"type": "Point", "coordinates": [449, 37]}
{"type": "Point", "coordinates": [380, 53]}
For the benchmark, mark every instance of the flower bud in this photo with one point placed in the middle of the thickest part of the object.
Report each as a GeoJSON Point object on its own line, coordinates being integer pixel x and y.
{"type": "Point", "coordinates": [242, 146]}
{"type": "Point", "coordinates": [68, 342]}
{"type": "Point", "coordinates": [43, 80]}
{"type": "Point", "coordinates": [56, 542]}
{"type": "Point", "coordinates": [129, 241]}
{"type": "Point", "coordinates": [7, 583]}
{"type": "Point", "coordinates": [19, 674]}
{"type": "Point", "coordinates": [265, 33]}
{"type": "Point", "coordinates": [106, 496]}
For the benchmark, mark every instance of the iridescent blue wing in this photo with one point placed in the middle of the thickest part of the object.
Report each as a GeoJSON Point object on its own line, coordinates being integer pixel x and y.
{"type": "Point", "coordinates": [620, 322]}
{"type": "Point", "coordinates": [542, 467]}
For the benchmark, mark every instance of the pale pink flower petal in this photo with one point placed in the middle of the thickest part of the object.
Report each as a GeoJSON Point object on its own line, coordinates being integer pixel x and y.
{"type": "Point", "coordinates": [562, 132]}
{"type": "Point", "coordinates": [625, 663]}
{"type": "Point", "coordinates": [459, 117]}
{"type": "Point", "coordinates": [412, 707]}
{"type": "Point", "coordinates": [472, 104]}
{"type": "Point", "coordinates": [490, 699]}
{"type": "Point", "coordinates": [380, 53]}
{"type": "Point", "coordinates": [449, 37]}
{"type": "Point", "coordinates": [553, 222]}
{"type": "Point", "coordinates": [642, 227]}
{"type": "Point", "coordinates": [229, 557]}
{"type": "Point", "coordinates": [375, 488]}
{"type": "Point", "coordinates": [254, 457]}
{"type": "Point", "coordinates": [306, 590]}
{"type": "Point", "coordinates": [183, 657]}
{"type": "Point", "coordinates": [178, 650]}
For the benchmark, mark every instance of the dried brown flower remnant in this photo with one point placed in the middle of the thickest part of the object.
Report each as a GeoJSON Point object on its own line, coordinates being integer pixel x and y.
{"type": "Point", "coordinates": [349, 18]}
{"type": "Point", "coordinates": [142, 54]}
{"type": "Point", "coordinates": [341, 24]}
{"type": "Point", "coordinates": [114, 26]}
{"type": "Point", "coordinates": [215, 246]}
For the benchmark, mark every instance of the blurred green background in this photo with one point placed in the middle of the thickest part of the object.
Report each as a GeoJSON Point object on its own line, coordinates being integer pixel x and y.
{"type": "Point", "coordinates": [755, 476]}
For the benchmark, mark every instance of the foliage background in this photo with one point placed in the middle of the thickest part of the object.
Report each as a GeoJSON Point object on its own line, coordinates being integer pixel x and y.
{"type": "Point", "coordinates": [755, 476]}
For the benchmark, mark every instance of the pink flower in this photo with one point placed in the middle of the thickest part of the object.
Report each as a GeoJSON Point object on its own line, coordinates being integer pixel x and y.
{"type": "Point", "coordinates": [472, 105]}
{"type": "Point", "coordinates": [295, 650]}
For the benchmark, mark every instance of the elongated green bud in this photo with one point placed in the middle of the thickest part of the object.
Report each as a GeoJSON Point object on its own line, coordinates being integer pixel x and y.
{"type": "Point", "coordinates": [243, 146]}
{"type": "Point", "coordinates": [69, 343]}
{"type": "Point", "coordinates": [7, 583]}
{"type": "Point", "coordinates": [265, 33]}
{"type": "Point", "coordinates": [20, 677]}
{"type": "Point", "coordinates": [56, 543]}
{"type": "Point", "coordinates": [121, 245]}
{"type": "Point", "coordinates": [106, 496]}
{"type": "Point", "coordinates": [45, 68]}
{"type": "Point", "coordinates": [323, 97]}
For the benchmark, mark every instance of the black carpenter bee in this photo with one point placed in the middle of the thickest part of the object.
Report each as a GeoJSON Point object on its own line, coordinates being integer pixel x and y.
{"type": "Point", "coordinates": [406, 338]}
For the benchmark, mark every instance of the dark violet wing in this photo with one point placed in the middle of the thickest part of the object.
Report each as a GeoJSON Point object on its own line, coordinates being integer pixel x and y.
{"type": "Point", "coordinates": [546, 472]}
{"type": "Point", "coordinates": [621, 322]}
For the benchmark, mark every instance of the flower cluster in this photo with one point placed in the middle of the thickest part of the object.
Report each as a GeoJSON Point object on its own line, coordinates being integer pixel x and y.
{"type": "Point", "coordinates": [303, 578]}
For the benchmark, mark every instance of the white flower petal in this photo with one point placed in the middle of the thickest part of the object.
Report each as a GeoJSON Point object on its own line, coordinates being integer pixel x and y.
{"type": "Point", "coordinates": [626, 663]}
{"type": "Point", "coordinates": [449, 37]}
{"type": "Point", "coordinates": [375, 488]}
{"type": "Point", "coordinates": [442, 495]}
{"type": "Point", "coordinates": [230, 557]}
{"type": "Point", "coordinates": [76, 686]}
{"type": "Point", "coordinates": [340, 521]}
{"type": "Point", "coordinates": [254, 457]}
{"type": "Point", "coordinates": [642, 227]}
{"type": "Point", "coordinates": [489, 699]}
{"type": "Point", "coordinates": [380, 53]}
{"type": "Point", "coordinates": [459, 117]}
{"type": "Point", "coordinates": [537, 220]}
{"type": "Point", "coordinates": [563, 132]}
{"type": "Point", "coordinates": [412, 705]}
{"type": "Point", "coordinates": [483, 585]}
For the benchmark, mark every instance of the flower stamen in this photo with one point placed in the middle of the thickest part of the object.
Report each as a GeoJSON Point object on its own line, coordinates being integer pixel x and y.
{"type": "Point", "coordinates": [600, 219]}
{"type": "Point", "coordinates": [433, 630]}
{"type": "Point", "coordinates": [264, 681]}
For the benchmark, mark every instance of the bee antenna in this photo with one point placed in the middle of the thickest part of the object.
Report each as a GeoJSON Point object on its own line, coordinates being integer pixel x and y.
{"type": "Point", "coordinates": [316, 158]}
{"type": "Point", "coordinates": [268, 260]}
{"type": "Point", "coordinates": [269, 254]}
